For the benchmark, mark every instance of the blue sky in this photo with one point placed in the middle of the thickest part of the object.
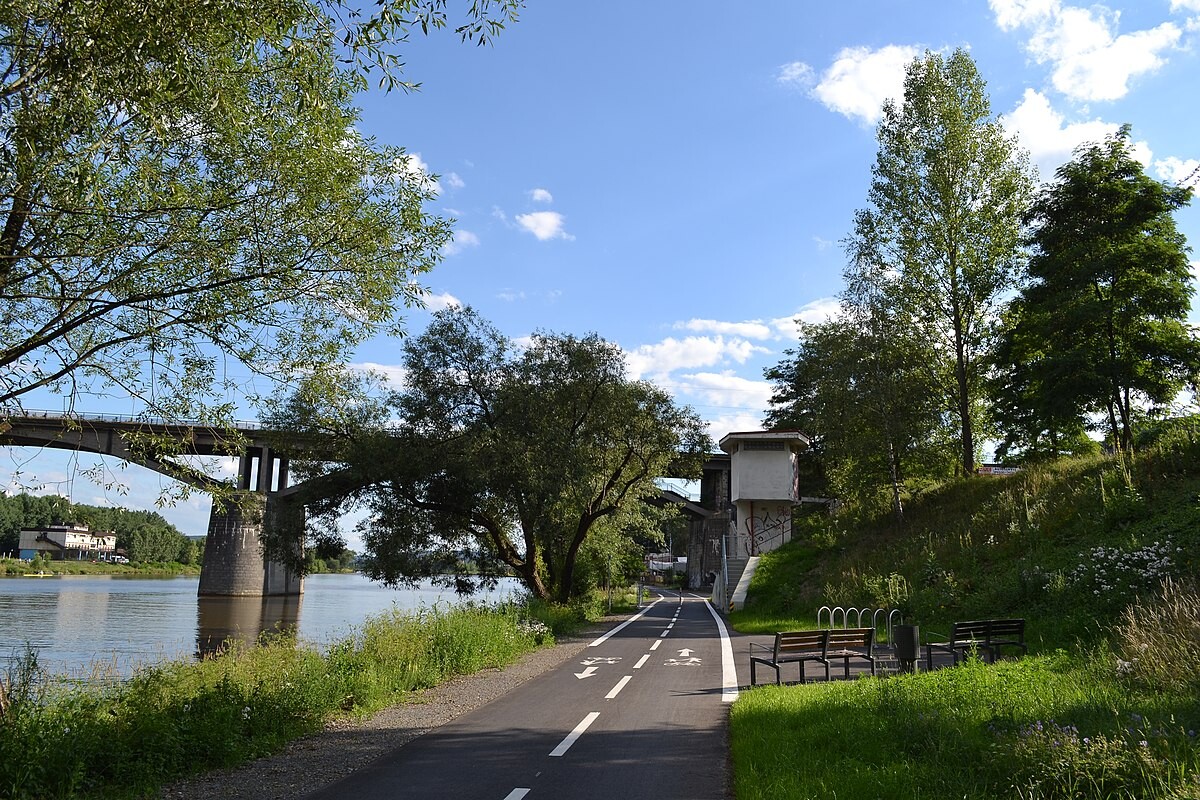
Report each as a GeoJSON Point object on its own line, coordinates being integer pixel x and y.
{"type": "Point", "coordinates": [678, 177]}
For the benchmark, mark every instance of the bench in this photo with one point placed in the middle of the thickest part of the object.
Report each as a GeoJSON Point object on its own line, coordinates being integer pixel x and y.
{"type": "Point", "coordinates": [985, 636]}
{"type": "Point", "coordinates": [848, 643]}
{"type": "Point", "coordinates": [793, 646]}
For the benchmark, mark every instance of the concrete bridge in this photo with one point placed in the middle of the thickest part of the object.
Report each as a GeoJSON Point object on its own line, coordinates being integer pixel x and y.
{"type": "Point", "coordinates": [234, 562]}
{"type": "Point", "coordinates": [746, 495]}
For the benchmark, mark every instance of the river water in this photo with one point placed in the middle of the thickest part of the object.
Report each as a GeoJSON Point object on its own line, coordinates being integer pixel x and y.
{"type": "Point", "coordinates": [87, 626]}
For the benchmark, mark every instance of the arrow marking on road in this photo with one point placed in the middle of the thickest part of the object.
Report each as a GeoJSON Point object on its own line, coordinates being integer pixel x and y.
{"type": "Point", "coordinates": [685, 652]}
{"type": "Point", "coordinates": [691, 662]}
{"type": "Point", "coordinates": [587, 673]}
{"type": "Point", "coordinates": [587, 662]}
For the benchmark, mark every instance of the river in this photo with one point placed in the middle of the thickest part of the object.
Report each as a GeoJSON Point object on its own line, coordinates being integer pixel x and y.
{"type": "Point", "coordinates": [88, 626]}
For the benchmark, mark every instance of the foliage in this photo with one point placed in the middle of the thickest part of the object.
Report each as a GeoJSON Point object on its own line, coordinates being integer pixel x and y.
{"type": "Point", "coordinates": [863, 384]}
{"type": "Point", "coordinates": [508, 460]}
{"type": "Point", "coordinates": [143, 535]}
{"type": "Point", "coordinates": [940, 241]}
{"type": "Point", "coordinates": [169, 721]}
{"type": "Point", "coordinates": [184, 196]}
{"type": "Point", "coordinates": [1110, 269]}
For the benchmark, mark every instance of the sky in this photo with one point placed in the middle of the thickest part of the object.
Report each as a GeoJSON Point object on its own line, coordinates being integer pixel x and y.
{"type": "Point", "coordinates": [678, 177]}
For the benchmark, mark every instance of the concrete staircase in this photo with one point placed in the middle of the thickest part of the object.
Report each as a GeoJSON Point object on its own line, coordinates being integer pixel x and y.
{"type": "Point", "coordinates": [741, 570]}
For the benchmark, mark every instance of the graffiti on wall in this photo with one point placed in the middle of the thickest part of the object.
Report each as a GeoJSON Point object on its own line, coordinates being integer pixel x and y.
{"type": "Point", "coordinates": [767, 528]}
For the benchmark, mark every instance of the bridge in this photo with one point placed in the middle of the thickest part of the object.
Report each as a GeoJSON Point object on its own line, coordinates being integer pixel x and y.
{"type": "Point", "coordinates": [744, 508]}
{"type": "Point", "coordinates": [234, 563]}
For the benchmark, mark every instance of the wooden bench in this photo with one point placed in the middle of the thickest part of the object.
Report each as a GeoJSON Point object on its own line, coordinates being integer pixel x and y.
{"type": "Point", "coordinates": [793, 646]}
{"type": "Point", "coordinates": [985, 636]}
{"type": "Point", "coordinates": [848, 643]}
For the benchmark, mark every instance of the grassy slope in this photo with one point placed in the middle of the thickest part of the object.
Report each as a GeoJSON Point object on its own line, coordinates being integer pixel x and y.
{"type": "Point", "coordinates": [1068, 546]}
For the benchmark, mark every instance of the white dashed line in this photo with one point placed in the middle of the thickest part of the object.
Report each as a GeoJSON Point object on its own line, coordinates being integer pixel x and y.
{"type": "Point", "coordinates": [656, 644]}
{"type": "Point", "coordinates": [516, 794]}
{"type": "Point", "coordinates": [566, 743]}
{"type": "Point", "coordinates": [616, 690]}
{"type": "Point", "coordinates": [642, 660]}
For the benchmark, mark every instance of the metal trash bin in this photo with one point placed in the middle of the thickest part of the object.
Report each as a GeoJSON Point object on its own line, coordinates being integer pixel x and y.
{"type": "Point", "coordinates": [907, 641]}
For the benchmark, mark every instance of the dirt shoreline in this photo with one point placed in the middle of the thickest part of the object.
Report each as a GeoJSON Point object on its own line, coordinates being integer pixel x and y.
{"type": "Point", "coordinates": [342, 747]}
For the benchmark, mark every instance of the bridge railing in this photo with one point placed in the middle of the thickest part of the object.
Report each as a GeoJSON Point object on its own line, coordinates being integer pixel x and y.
{"type": "Point", "coordinates": [248, 425]}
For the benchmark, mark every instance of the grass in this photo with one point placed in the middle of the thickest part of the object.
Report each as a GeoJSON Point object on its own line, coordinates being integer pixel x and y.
{"type": "Point", "coordinates": [16, 567]}
{"type": "Point", "coordinates": [179, 718]}
{"type": "Point", "coordinates": [1094, 554]}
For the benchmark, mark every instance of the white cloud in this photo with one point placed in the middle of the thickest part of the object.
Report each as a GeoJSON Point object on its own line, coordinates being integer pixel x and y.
{"type": "Point", "coordinates": [860, 79]}
{"type": "Point", "coordinates": [411, 165]}
{"type": "Point", "coordinates": [726, 389]}
{"type": "Point", "coordinates": [825, 308]}
{"type": "Point", "coordinates": [1089, 60]}
{"type": "Point", "coordinates": [751, 329]}
{"type": "Point", "coordinates": [1177, 170]}
{"type": "Point", "coordinates": [1185, 5]}
{"type": "Point", "coordinates": [455, 180]}
{"type": "Point", "coordinates": [671, 354]}
{"type": "Point", "coordinates": [798, 73]}
{"type": "Point", "coordinates": [1044, 132]}
{"type": "Point", "coordinates": [823, 244]}
{"type": "Point", "coordinates": [724, 424]}
{"type": "Point", "coordinates": [440, 302]}
{"type": "Point", "coordinates": [511, 295]}
{"type": "Point", "coordinates": [462, 240]}
{"type": "Point", "coordinates": [392, 375]}
{"type": "Point", "coordinates": [545, 225]}
{"type": "Point", "coordinates": [541, 196]}
{"type": "Point", "coordinates": [1012, 14]}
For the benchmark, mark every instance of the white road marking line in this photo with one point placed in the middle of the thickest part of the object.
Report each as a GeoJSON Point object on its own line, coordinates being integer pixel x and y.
{"type": "Point", "coordinates": [616, 690]}
{"type": "Point", "coordinates": [729, 684]}
{"type": "Point", "coordinates": [664, 633]}
{"type": "Point", "coordinates": [656, 644]}
{"type": "Point", "coordinates": [566, 743]}
{"type": "Point", "coordinates": [605, 637]}
{"type": "Point", "coordinates": [642, 660]}
{"type": "Point", "coordinates": [516, 794]}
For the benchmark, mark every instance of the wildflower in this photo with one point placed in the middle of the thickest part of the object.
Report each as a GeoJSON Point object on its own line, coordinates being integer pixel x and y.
{"type": "Point", "coordinates": [246, 712]}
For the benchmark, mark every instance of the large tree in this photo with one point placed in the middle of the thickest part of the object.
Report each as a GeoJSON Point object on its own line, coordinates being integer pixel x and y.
{"type": "Point", "coordinates": [507, 458]}
{"type": "Point", "coordinates": [185, 201]}
{"type": "Point", "coordinates": [1104, 313]}
{"type": "Point", "coordinates": [862, 386]}
{"type": "Point", "coordinates": [941, 239]}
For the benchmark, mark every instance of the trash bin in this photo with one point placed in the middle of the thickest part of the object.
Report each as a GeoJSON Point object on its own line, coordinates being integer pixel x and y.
{"type": "Point", "coordinates": [907, 641]}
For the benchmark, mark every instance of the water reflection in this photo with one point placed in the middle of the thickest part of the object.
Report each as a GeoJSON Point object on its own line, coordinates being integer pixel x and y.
{"type": "Point", "coordinates": [243, 620]}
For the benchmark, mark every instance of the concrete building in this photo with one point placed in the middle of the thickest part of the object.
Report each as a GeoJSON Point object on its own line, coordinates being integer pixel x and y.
{"type": "Point", "coordinates": [67, 540]}
{"type": "Point", "coordinates": [764, 485]}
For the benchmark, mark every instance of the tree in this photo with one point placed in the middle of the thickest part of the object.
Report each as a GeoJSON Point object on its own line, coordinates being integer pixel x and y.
{"type": "Point", "coordinates": [863, 387]}
{"type": "Point", "coordinates": [1109, 294]}
{"type": "Point", "coordinates": [507, 459]}
{"type": "Point", "coordinates": [182, 189]}
{"type": "Point", "coordinates": [941, 238]}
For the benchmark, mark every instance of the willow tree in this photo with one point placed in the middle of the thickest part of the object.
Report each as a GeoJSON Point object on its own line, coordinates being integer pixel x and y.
{"type": "Point", "coordinates": [185, 202]}
{"type": "Point", "coordinates": [494, 460]}
{"type": "Point", "coordinates": [941, 238]}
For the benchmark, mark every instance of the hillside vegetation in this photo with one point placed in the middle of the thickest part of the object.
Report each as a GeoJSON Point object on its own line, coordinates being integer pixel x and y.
{"type": "Point", "coordinates": [1099, 556]}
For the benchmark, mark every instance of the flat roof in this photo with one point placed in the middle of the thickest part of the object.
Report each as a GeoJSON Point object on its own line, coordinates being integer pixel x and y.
{"type": "Point", "coordinates": [728, 440]}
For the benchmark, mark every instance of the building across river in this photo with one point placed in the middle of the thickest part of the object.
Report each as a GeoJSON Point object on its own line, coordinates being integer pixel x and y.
{"type": "Point", "coordinates": [65, 540]}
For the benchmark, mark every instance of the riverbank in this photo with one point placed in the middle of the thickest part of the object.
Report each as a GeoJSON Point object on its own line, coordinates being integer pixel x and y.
{"type": "Point", "coordinates": [343, 746]}
{"type": "Point", "coordinates": [17, 568]}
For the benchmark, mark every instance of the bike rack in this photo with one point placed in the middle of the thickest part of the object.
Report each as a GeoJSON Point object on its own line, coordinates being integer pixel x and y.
{"type": "Point", "coordinates": [891, 617]}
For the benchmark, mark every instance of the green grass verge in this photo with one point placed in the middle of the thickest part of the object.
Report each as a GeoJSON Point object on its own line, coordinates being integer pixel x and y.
{"type": "Point", "coordinates": [180, 718]}
{"type": "Point", "coordinates": [1042, 727]}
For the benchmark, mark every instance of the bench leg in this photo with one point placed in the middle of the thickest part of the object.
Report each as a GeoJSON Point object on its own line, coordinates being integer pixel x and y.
{"type": "Point", "coordinates": [752, 672]}
{"type": "Point", "coordinates": [802, 678]}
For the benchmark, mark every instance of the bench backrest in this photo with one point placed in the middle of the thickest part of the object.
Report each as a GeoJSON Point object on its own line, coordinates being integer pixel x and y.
{"type": "Point", "coordinates": [1007, 628]}
{"type": "Point", "coordinates": [843, 638]}
{"type": "Point", "coordinates": [972, 629]}
{"type": "Point", "coordinates": [800, 642]}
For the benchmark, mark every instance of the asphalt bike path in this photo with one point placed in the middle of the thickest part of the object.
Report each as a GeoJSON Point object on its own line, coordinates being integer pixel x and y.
{"type": "Point", "coordinates": [639, 713]}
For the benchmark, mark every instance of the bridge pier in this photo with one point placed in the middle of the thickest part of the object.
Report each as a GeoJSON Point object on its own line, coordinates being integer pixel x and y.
{"type": "Point", "coordinates": [234, 562]}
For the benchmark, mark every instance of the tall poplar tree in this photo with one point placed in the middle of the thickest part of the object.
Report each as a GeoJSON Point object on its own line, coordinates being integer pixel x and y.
{"type": "Point", "coordinates": [941, 238]}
